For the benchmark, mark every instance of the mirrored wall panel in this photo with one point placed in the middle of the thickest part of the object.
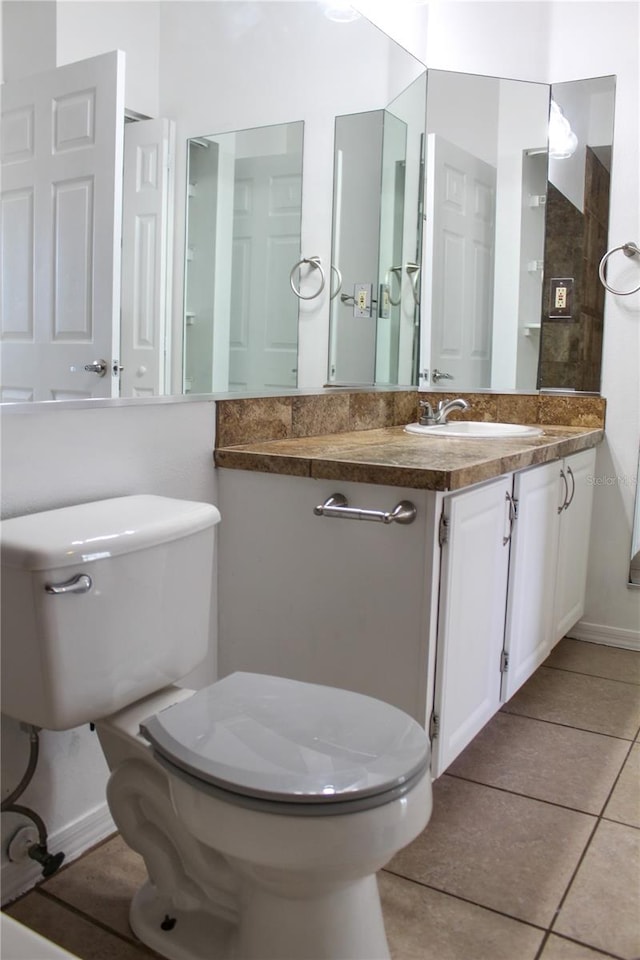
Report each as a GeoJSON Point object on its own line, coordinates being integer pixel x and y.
{"type": "Point", "coordinates": [484, 235]}
{"type": "Point", "coordinates": [376, 246]}
{"type": "Point", "coordinates": [244, 209]}
{"type": "Point", "coordinates": [576, 233]}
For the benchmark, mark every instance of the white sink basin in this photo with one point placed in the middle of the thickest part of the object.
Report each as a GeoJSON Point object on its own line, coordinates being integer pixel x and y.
{"type": "Point", "coordinates": [474, 429]}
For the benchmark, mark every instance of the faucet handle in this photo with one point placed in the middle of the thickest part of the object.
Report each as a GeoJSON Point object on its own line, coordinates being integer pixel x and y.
{"type": "Point", "coordinates": [427, 416]}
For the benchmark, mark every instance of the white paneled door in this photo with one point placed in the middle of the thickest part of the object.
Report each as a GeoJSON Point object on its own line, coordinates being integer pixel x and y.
{"type": "Point", "coordinates": [459, 240]}
{"type": "Point", "coordinates": [266, 245]}
{"type": "Point", "coordinates": [149, 147]}
{"type": "Point", "coordinates": [62, 152]}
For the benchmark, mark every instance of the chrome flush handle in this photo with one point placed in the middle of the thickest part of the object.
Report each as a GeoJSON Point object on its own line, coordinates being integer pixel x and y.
{"type": "Point", "coordinates": [81, 583]}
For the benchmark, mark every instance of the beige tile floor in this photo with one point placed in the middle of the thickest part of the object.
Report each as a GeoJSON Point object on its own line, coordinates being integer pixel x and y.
{"type": "Point", "coordinates": [532, 852]}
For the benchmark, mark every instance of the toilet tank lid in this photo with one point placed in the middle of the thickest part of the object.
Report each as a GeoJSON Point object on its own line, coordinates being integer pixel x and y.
{"type": "Point", "coordinates": [98, 530]}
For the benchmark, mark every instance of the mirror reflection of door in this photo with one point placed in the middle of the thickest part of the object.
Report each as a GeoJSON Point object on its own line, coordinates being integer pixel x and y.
{"type": "Point", "coordinates": [460, 205]}
{"type": "Point", "coordinates": [147, 236]}
{"type": "Point", "coordinates": [61, 190]}
{"type": "Point", "coordinates": [243, 239]}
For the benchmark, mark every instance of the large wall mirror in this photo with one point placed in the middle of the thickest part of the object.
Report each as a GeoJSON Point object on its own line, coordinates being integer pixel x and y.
{"type": "Point", "coordinates": [516, 225]}
{"type": "Point", "coordinates": [351, 175]}
{"type": "Point", "coordinates": [237, 82]}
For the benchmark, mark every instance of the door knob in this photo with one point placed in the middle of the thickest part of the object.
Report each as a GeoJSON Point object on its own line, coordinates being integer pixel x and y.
{"type": "Point", "coordinates": [438, 375]}
{"type": "Point", "coordinates": [98, 366]}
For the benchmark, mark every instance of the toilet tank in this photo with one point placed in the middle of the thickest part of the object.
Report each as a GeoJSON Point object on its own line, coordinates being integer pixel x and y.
{"type": "Point", "coordinates": [102, 604]}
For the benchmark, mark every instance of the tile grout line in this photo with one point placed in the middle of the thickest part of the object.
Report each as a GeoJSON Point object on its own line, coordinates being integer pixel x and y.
{"type": "Point", "coordinates": [570, 726]}
{"type": "Point", "coordinates": [473, 903]}
{"type": "Point", "coordinates": [562, 806]}
{"type": "Point", "coordinates": [546, 931]}
{"type": "Point", "coordinates": [526, 796]}
{"type": "Point", "coordinates": [94, 921]}
{"type": "Point", "coordinates": [599, 819]}
{"type": "Point", "coordinates": [596, 676]}
{"type": "Point", "coordinates": [580, 943]}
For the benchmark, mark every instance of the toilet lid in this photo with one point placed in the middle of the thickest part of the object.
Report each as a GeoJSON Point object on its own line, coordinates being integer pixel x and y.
{"type": "Point", "coordinates": [283, 740]}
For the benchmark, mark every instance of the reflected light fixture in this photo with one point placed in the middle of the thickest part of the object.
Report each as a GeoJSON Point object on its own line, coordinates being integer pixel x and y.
{"type": "Point", "coordinates": [562, 140]}
{"type": "Point", "coordinates": [340, 11]}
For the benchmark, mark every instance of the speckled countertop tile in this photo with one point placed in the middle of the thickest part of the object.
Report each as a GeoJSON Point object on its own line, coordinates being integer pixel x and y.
{"type": "Point", "coordinates": [390, 456]}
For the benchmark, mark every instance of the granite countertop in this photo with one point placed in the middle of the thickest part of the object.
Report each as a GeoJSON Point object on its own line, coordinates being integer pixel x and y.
{"type": "Point", "coordinates": [393, 457]}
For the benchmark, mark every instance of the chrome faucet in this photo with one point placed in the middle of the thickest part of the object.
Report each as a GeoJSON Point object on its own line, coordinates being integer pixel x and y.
{"type": "Point", "coordinates": [437, 417]}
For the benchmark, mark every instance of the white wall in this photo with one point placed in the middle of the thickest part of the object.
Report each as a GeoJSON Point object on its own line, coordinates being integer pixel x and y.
{"type": "Point", "coordinates": [28, 26]}
{"type": "Point", "coordinates": [90, 28]}
{"type": "Point", "coordinates": [56, 455]}
{"type": "Point", "coordinates": [606, 40]}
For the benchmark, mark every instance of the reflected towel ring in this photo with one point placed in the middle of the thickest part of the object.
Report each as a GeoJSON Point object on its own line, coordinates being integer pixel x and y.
{"type": "Point", "coordinates": [413, 272]}
{"type": "Point", "coordinates": [397, 273]}
{"type": "Point", "coordinates": [630, 250]}
{"type": "Point", "coordinates": [335, 293]}
{"type": "Point", "coordinates": [315, 264]}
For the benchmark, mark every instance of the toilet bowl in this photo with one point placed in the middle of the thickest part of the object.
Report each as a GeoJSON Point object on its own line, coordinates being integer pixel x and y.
{"type": "Point", "coordinates": [262, 806]}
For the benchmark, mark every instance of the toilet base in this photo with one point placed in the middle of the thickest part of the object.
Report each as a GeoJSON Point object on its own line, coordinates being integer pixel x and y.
{"type": "Point", "coordinates": [194, 935]}
{"type": "Point", "coordinates": [347, 923]}
{"type": "Point", "coordinates": [344, 923]}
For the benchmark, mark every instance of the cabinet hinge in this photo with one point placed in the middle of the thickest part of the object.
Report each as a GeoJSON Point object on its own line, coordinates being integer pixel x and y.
{"type": "Point", "coordinates": [443, 529]}
{"type": "Point", "coordinates": [504, 662]}
{"type": "Point", "coordinates": [434, 726]}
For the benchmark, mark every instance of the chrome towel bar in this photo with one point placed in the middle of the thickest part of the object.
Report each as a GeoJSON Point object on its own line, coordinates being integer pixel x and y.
{"type": "Point", "coordinates": [337, 505]}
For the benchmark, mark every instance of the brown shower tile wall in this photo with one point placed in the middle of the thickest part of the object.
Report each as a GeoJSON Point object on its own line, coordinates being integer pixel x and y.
{"type": "Point", "coordinates": [260, 419]}
{"type": "Point", "coordinates": [575, 242]}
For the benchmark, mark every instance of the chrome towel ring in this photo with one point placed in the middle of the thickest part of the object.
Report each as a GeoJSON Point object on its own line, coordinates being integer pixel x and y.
{"type": "Point", "coordinates": [397, 273]}
{"type": "Point", "coordinates": [315, 264]}
{"type": "Point", "coordinates": [413, 271]}
{"type": "Point", "coordinates": [630, 250]}
{"type": "Point", "coordinates": [337, 290]}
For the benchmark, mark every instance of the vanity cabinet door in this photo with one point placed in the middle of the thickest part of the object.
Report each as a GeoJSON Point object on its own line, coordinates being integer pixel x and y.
{"type": "Point", "coordinates": [325, 600]}
{"type": "Point", "coordinates": [473, 586]}
{"type": "Point", "coordinates": [573, 548]}
{"type": "Point", "coordinates": [532, 574]}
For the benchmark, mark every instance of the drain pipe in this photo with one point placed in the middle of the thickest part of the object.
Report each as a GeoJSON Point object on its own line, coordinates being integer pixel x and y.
{"type": "Point", "coordinates": [23, 843]}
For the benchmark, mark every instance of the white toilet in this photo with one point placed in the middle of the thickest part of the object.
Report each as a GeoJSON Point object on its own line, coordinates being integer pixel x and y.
{"type": "Point", "coordinates": [262, 806]}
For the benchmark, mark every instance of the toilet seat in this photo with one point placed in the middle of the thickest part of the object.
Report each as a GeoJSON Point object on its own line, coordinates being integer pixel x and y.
{"type": "Point", "coordinates": [271, 743]}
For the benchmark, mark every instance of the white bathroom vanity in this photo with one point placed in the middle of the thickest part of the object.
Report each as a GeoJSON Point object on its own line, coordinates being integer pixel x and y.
{"type": "Point", "coordinates": [444, 617]}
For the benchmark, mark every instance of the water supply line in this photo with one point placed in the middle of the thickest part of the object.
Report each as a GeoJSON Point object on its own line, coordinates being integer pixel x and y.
{"type": "Point", "coordinates": [39, 850]}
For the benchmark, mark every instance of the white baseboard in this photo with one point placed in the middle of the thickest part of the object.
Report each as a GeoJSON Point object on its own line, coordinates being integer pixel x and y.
{"type": "Point", "coordinates": [611, 636]}
{"type": "Point", "coordinates": [73, 839]}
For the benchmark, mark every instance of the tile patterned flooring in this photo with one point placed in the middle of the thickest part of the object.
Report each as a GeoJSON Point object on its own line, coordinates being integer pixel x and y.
{"type": "Point", "coordinates": [532, 852]}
